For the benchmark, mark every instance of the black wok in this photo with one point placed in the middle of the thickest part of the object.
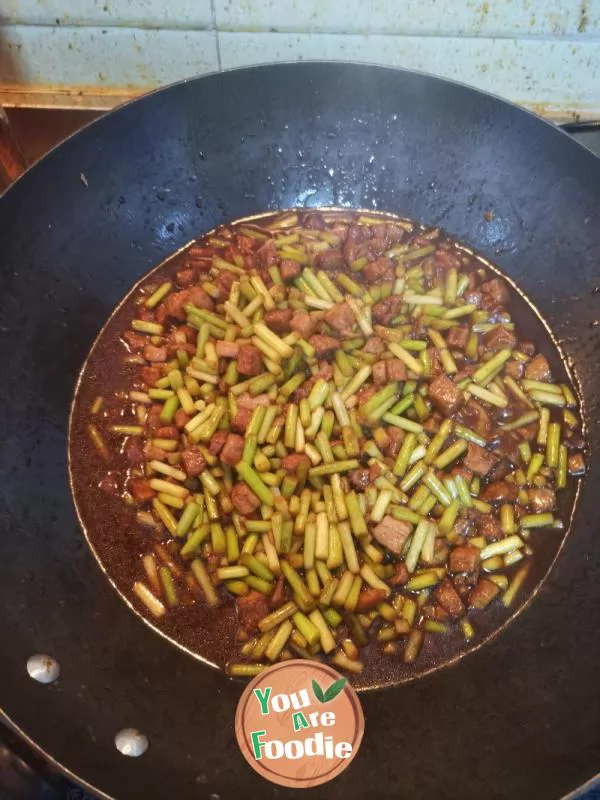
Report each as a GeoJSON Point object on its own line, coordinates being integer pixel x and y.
{"type": "Point", "coordinates": [516, 719]}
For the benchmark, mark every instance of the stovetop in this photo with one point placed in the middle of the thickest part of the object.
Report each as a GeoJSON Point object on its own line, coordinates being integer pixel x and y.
{"type": "Point", "coordinates": [24, 775]}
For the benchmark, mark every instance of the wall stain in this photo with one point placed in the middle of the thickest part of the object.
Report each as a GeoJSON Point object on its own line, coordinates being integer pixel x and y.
{"type": "Point", "coordinates": [583, 17]}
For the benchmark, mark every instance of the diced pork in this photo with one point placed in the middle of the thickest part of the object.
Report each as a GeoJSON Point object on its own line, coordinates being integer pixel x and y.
{"type": "Point", "coordinates": [495, 292]}
{"type": "Point", "coordinates": [464, 558]}
{"type": "Point", "coordinates": [155, 354]}
{"type": "Point", "coordinates": [217, 442]}
{"type": "Point", "coordinates": [457, 338]}
{"type": "Point", "coordinates": [375, 345]}
{"type": "Point", "coordinates": [151, 374]}
{"type": "Point", "coordinates": [244, 500]}
{"type": "Point", "coordinates": [249, 360]}
{"type": "Point", "coordinates": [499, 339]}
{"type": "Point", "coordinates": [251, 609]}
{"type": "Point", "coordinates": [303, 323]}
{"type": "Point", "coordinates": [341, 318]}
{"type": "Point", "coordinates": [445, 395]}
{"type": "Point", "coordinates": [289, 269]}
{"type": "Point", "coordinates": [379, 373]}
{"type": "Point", "coordinates": [488, 526]}
{"type": "Point", "coordinates": [449, 599]}
{"type": "Point", "coordinates": [330, 260]}
{"type": "Point", "coordinates": [324, 345]}
{"type": "Point", "coordinates": [266, 255]}
{"type": "Point", "coordinates": [499, 492]}
{"type": "Point", "coordinates": [396, 370]}
{"type": "Point", "coordinates": [141, 490]}
{"type": "Point", "coordinates": [278, 320]}
{"type": "Point", "coordinates": [134, 451]}
{"type": "Point", "coordinates": [382, 269]}
{"type": "Point", "coordinates": [483, 594]}
{"type": "Point", "coordinates": [292, 462]}
{"type": "Point", "coordinates": [135, 341]}
{"type": "Point", "coordinates": [232, 449]}
{"type": "Point", "coordinates": [400, 575]}
{"type": "Point", "coordinates": [193, 461]}
{"type": "Point", "coordinates": [479, 459]}
{"type": "Point", "coordinates": [541, 500]}
{"type": "Point", "coordinates": [538, 369]}
{"type": "Point", "coordinates": [240, 422]}
{"type": "Point", "coordinates": [392, 533]}
{"type": "Point", "coordinates": [369, 598]}
{"type": "Point", "coordinates": [385, 310]}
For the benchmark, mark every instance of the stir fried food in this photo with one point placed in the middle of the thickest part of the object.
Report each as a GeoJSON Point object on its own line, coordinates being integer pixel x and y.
{"type": "Point", "coordinates": [337, 427]}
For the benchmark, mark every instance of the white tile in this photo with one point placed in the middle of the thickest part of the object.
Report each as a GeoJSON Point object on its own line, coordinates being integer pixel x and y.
{"type": "Point", "coordinates": [448, 17]}
{"type": "Point", "coordinates": [90, 59]}
{"type": "Point", "coordinates": [552, 75]}
{"type": "Point", "coordinates": [186, 14]}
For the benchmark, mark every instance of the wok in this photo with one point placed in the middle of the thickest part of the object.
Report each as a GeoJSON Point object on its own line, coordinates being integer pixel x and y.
{"type": "Point", "coordinates": [518, 718]}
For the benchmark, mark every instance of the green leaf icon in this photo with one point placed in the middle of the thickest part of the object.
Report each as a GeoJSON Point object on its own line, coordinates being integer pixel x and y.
{"type": "Point", "coordinates": [318, 692]}
{"type": "Point", "coordinates": [335, 688]}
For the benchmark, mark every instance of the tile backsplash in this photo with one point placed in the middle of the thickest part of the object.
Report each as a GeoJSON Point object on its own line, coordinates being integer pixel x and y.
{"type": "Point", "coordinates": [96, 53]}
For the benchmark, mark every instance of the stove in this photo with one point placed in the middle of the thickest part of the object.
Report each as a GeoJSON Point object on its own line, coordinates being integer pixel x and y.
{"type": "Point", "coordinates": [25, 775]}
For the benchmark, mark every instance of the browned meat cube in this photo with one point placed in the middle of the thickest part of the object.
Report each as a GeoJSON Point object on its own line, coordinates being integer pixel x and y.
{"type": "Point", "coordinates": [135, 341]}
{"type": "Point", "coordinates": [152, 374]}
{"type": "Point", "coordinates": [499, 492]}
{"type": "Point", "coordinates": [514, 368]}
{"type": "Point", "coordinates": [303, 323]}
{"type": "Point", "coordinates": [400, 576]}
{"type": "Point", "coordinates": [464, 558]}
{"type": "Point", "coordinates": [249, 360]}
{"type": "Point", "coordinates": [324, 345]}
{"type": "Point", "coordinates": [375, 345]}
{"type": "Point", "coordinates": [541, 500]}
{"type": "Point", "coordinates": [141, 490]}
{"type": "Point", "coordinates": [576, 463]}
{"type": "Point", "coordinates": [495, 292]}
{"type": "Point", "coordinates": [474, 416]}
{"type": "Point", "coordinates": [357, 234]}
{"type": "Point", "coordinates": [193, 461]}
{"type": "Point", "coordinates": [392, 533]}
{"type": "Point", "coordinates": [199, 298]}
{"type": "Point", "coordinates": [445, 395]}
{"type": "Point", "coordinates": [232, 449]}
{"type": "Point", "coordinates": [341, 318]}
{"type": "Point", "coordinates": [251, 609]}
{"type": "Point", "coordinates": [457, 338]}
{"type": "Point", "coordinates": [474, 297]}
{"type": "Point", "coordinates": [155, 354]}
{"type": "Point", "coordinates": [244, 500]}
{"type": "Point", "coordinates": [185, 277]}
{"type": "Point", "coordinates": [266, 255]}
{"type": "Point", "coordinates": [396, 370]}
{"type": "Point", "coordinates": [217, 442]}
{"type": "Point", "coordinates": [382, 269]}
{"type": "Point", "coordinates": [449, 599]}
{"type": "Point", "coordinates": [292, 462]}
{"type": "Point", "coordinates": [379, 373]}
{"type": "Point", "coordinates": [134, 451]}
{"type": "Point", "coordinates": [483, 594]}
{"type": "Point", "coordinates": [359, 478]}
{"type": "Point", "coordinates": [488, 526]}
{"type": "Point", "coordinates": [446, 260]}
{"type": "Point", "coordinates": [330, 260]}
{"type": "Point", "coordinates": [278, 319]}
{"type": "Point", "coordinates": [538, 369]}
{"type": "Point", "coordinates": [289, 269]}
{"type": "Point", "coordinates": [369, 598]}
{"type": "Point", "coordinates": [479, 459]}
{"type": "Point", "coordinates": [167, 432]}
{"type": "Point", "coordinates": [385, 310]}
{"type": "Point", "coordinates": [508, 446]}
{"type": "Point", "coordinates": [499, 339]}
{"type": "Point", "coordinates": [240, 422]}
{"type": "Point", "coordinates": [396, 437]}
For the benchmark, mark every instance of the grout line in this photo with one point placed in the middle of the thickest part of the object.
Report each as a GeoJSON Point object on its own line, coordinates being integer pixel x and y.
{"type": "Point", "coordinates": [572, 37]}
{"type": "Point", "coordinates": [213, 14]}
